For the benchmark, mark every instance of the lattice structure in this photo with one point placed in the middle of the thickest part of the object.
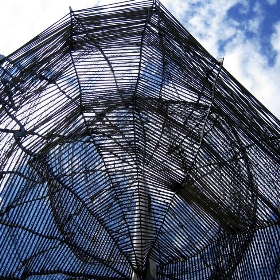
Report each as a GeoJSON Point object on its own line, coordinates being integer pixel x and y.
{"type": "Point", "coordinates": [128, 152]}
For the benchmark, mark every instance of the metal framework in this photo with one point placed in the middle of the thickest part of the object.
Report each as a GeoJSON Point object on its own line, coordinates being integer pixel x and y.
{"type": "Point", "coordinates": [128, 152]}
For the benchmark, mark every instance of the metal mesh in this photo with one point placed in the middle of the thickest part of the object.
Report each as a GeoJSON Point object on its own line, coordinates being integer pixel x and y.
{"type": "Point", "coordinates": [128, 152]}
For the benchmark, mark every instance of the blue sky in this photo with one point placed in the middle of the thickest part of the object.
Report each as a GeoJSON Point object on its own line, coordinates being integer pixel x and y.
{"type": "Point", "coordinates": [245, 32]}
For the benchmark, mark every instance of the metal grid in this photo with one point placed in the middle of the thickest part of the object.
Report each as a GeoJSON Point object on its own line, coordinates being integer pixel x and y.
{"type": "Point", "coordinates": [128, 152]}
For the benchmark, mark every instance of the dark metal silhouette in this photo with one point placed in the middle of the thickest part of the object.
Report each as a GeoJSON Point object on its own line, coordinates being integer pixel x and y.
{"type": "Point", "coordinates": [128, 152]}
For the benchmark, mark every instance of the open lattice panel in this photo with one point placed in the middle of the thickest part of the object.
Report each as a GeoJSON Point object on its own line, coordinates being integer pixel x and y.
{"type": "Point", "coordinates": [128, 152]}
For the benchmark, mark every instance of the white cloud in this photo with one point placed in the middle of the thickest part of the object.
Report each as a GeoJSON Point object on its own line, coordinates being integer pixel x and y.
{"type": "Point", "coordinates": [253, 24]}
{"type": "Point", "coordinates": [21, 21]}
{"type": "Point", "coordinates": [275, 40]}
{"type": "Point", "coordinates": [271, 2]}
{"type": "Point", "coordinates": [210, 25]}
{"type": "Point", "coordinates": [245, 61]}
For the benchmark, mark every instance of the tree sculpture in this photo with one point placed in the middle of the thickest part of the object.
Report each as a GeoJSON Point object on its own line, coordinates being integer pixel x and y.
{"type": "Point", "coordinates": [129, 152]}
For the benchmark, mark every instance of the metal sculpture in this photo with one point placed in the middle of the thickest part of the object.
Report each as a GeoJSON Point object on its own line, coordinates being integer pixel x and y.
{"type": "Point", "coordinates": [129, 152]}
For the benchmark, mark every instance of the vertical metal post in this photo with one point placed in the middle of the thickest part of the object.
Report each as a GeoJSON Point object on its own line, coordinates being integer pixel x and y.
{"type": "Point", "coordinates": [144, 232]}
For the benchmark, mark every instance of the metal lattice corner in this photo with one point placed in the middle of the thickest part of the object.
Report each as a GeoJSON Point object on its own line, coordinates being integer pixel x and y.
{"type": "Point", "coordinates": [128, 152]}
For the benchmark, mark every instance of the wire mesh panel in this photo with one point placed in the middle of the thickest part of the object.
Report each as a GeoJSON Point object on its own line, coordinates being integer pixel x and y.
{"type": "Point", "coordinates": [129, 152]}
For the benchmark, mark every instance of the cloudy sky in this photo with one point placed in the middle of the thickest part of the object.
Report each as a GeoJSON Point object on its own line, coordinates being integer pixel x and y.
{"type": "Point", "coordinates": [245, 32]}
